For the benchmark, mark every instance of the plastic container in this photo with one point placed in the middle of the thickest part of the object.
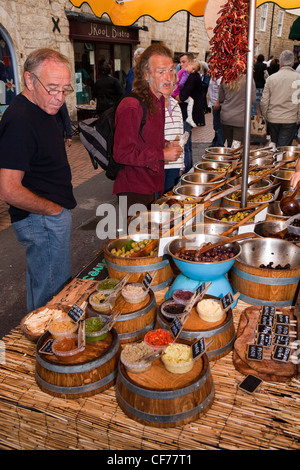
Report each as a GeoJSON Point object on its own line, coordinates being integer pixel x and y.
{"type": "Point", "coordinates": [107, 286]}
{"type": "Point", "coordinates": [62, 327]}
{"type": "Point", "coordinates": [67, 346]}
{"type": "Point", "coordinates": [158, 339]}
{"type": "Point", "coordinates": [177, 358]}
{"type": "Point", "coordinates": [210, 310]}
{"type": "Point", "coordinates": [92, 327]}
{"type": "Point", "coordinates": [134, 293]}
{"type": "Point", "coordinates": [98, 301]}
{"type": "Point", "coordinates": [182, 296]}
{"type": "Point", "coordinates": [171, 309]}
{"type": "Point", "coordinates": [132, 357]}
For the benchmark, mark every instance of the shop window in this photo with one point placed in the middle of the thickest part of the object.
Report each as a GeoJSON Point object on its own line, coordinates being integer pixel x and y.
{"type": "Point", "coordinates": [8, 83]}
{"type": "Point", "coordinates": [280, 23]}
{"type": "Point", "coordinates": [263, 17]}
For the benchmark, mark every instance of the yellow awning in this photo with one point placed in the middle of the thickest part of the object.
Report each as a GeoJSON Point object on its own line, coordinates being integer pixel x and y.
{"type": "Point", "coordinates": [127, 12]}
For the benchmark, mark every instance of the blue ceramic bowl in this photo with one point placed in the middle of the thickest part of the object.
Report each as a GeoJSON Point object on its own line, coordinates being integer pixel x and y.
{"type": "Point", "coordinates": [204, 271]}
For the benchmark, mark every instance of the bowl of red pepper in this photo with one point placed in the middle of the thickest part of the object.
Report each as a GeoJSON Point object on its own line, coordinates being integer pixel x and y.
{"type": "Point", "coordinates": [158, 339]}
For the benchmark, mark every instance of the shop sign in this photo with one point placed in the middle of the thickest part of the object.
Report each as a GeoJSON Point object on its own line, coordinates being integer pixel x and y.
{"type": "Point", "coordinates": [96, 31]}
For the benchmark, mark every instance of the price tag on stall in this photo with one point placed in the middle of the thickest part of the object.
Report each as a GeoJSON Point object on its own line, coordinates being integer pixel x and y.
{"type": "Point", "coordinates": [227, 300]}
{"type": "Point", "coordinates": [76, 313]}
{"type": "Point", "coordinates": [268, 310]}
{"type": "Point", "coordinates": [255, 352]}
{"type": "Point", "coordinates": [281, 353]}
{"type": "Point", "coordinates": [147, 280]}
{"type": "Point", "coordinates": [176, 327]}
{"type": "Point", "coordinates": [198, 348]}
{"type": "Point", "coordinates": [47, 347]}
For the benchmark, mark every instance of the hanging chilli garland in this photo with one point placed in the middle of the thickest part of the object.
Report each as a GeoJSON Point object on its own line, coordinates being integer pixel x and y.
{"type": "Point", "coordinates": [229, 44]}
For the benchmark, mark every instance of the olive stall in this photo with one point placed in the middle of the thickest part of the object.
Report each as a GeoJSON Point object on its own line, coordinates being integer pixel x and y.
{"type": "Point", "coordinates": [155, 334]}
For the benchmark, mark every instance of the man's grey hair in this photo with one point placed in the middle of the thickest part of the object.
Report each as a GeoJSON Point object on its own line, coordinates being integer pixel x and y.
{"type": "Point", "coordinates": [139, 51]}
{"type": "Point", "coordinates": [286, 59]}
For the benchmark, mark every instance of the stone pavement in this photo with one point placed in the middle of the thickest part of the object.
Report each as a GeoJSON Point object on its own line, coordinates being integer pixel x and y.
{"type": "Point", "coordinates": [82, 169]}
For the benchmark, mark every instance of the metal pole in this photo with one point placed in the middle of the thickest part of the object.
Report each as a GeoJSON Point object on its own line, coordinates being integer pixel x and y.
{"type": "Point", "coordinates": [250, 58]}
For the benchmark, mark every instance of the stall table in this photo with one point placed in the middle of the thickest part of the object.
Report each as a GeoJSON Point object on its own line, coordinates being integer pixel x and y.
{"type": "Point", "coordinates": [33, 420]}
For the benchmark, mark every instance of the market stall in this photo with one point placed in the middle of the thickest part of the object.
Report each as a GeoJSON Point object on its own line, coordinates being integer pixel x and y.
{"type": "Point", "coordinates": [168, 370]}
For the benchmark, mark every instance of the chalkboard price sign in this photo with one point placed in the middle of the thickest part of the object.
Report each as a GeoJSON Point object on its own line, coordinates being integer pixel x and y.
{"type": "Point", "coordinates": [266, 320]}
{"type": "Point", "coordinates": [264, 340]}
{"type": "Point", "coordinates": [200, 289]}
{"type": "Point", "coordinates": [268, 310]}
{"type": "Point", "coordinates": [198, 348]}
{"type": "Point", "coordinates": [283, 319]}
{"type": "Point", "coordinates": [227, 300]}
{"type": "Point", "coordinates": [75, 313]}
{"type": "Point", "coordinates": [281, 353]}
{"type": "Point", "coordinates": [264, 329]}
{"type": "Point", "coordinates": [255, 352]}
{"type": "Point", "coordinates": [282, 329]}
{"type": "Point", "coordinates": [147, 280]}
{"type": "Point", "coordinates": [47, 347]}
{"type": "Point", "coordinates": [176, 327]}
{"type": "Point", "coordinates": [282, 340]}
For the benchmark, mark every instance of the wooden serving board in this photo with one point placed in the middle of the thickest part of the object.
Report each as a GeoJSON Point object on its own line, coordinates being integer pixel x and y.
{"type": "Point", "coordinates": [268, 368]}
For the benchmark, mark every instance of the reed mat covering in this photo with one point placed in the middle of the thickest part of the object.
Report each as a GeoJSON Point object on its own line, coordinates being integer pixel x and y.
{"type": "Point", "coordinates": [33, 420]}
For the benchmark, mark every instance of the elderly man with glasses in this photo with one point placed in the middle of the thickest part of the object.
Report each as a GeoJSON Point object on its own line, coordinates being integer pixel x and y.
{"type": "Point", "coordinates": [35, 176]}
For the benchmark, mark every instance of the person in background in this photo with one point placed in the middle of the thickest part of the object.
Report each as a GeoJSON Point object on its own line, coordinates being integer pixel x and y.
{"type": "Point", "coordinates": [183, 74]}
{"type": "Point", "coordinates": [273, 67]}
{"type": "Point", "coordinates": [205, 77]}
{"type": "Point", "coordinates": [280, 102]}
{"type": "Point", "coordinates": [64, 124]}
{"type": "Point", "coordinates": [143, 156]}
{"type": "Point", "coordinates": [259, 72]}
{"type": "Point", "coordinates": [192, 88]}
{"type": "Point", "coordinates": [107, 89]}
{"type": "Point", "coordinates": [232, 98]}
{"type": "Point", "coordinates": [130, 75]}
{"type": "Point", "coordinates": [35, 176]}
{"type": "Point", "coordinates": [173, 132]}
{"type": "Point", "coordinates": [214, 104]}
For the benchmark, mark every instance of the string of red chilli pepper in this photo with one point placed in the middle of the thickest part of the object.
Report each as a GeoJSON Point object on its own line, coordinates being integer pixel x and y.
{"type": "Point", "coordinates": [229, 44]}
{"type": "Point", "coordinates": [158, 337]}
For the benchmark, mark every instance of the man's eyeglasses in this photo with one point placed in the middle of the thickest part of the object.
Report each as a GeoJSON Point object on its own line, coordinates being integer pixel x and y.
{"type": "Point", "coordinates": [54, 91]}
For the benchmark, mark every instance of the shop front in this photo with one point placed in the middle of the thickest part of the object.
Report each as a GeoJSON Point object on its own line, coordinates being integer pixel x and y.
{"type": "Point", "coordinates": [96, 41]}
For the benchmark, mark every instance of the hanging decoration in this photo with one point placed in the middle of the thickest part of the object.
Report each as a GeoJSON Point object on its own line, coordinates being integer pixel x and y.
{"type": "Point", "coordinates": [229, 43]}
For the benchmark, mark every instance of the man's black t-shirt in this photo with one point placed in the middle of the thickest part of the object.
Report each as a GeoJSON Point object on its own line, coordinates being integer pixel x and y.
{"type": "Point", "coordinates": [30, 141]}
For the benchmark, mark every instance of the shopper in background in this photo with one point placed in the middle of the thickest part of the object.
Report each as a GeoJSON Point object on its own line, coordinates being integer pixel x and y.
{"type": "Point", "coordinates": [260, 72]}
{"type": "Point", "coordinates": [107, 89]}
{"type": "Point", "coordinates": [232, 99]}
{"type": "Point", "coordinates": [280, 101]}
{"type": "Point", "coordinates": [130, 75]}
{"type": "Point", "coordinates": [214, 104]}
{"type": "Point", "coordinates": [64, 124]}
{"type": "Point", "coordinates": [35, 176]}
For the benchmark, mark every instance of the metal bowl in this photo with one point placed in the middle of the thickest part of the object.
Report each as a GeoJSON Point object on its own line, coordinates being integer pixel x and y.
{"type": "Point", "coordinates": [275, 213]}
{"type": "Point", "coordinates": [259, 251]}
{"type": "Point", "coordinates": [208, 229]}
{"type": "Point", "coordinates": [153, 221]}
{"type": "Point", "coordinates": [200, 178]}
{"type": "Point", "coordinates": [119, 243]}
{"type": "Point", "coordinates": [210, 216]}
{"type": "Point", "coordinates": [287, 155]}
{"type": "Point", "coordinates": [213, 166]}
{"type": "Point", "coordinates": [291, 149]}
{"type": "Point", "coordinates": [231, 202]}
{"type": "Point", "coordinates": [260, 153]}
{"type": "Point", "coordinates": [268, 228]}
{"type": "Point", "coordinates": [206, 271]}
{"type": "Point", "coordinates": [218, 158]}
{"type": "Point", "coordinates": [283, 177]}
{"type": "Point", "coordinates": [221, 151]}
{"type": "Point", "coordinates": [191, 190]}
{"type": "Point", "coordinates": [263, 161]}
{"type": "Point", "coordinates": [263, 183]}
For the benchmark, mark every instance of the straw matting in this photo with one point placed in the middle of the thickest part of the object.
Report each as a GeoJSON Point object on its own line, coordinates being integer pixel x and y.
{"type": "Point", "coordinates": [31, 419]}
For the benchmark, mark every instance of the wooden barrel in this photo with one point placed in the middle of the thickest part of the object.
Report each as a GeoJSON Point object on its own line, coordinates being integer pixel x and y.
{"type": "Point", "coordinates": [267, 286]}
{"type": "Point", "coordinates": [135, 320]}
{"type": "Point", "coordinates": [118, 267]}
{"type": "Point", "coordinates": [162, 399]}
{"type": "Point", "coordinates": [88, 373]}
{"type": "Point", "coordinates": [222, 332]}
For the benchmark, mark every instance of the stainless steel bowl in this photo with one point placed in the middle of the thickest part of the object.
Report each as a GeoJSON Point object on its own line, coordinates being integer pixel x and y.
{"type": "Point", "coordinates": [207, 228]}
{"type": "Point", "coordinates": [263, 183]}
{"type": "Point", "coordinates": [259, 251]}
{"type": "Point", "coordinates": [220, 151]}
{"type": "Point", "coordinates": [263, 161]}
{"type": "Point", "coordinates": [200, 178]}
{"type": "Point", "coordinates": [213, 166]}
{"type": "Point", "coordinates": [233, 203]}
{"type": "Point", "coordinates": [260, 153]}
{"type": "Point", "coordinates": [291, 148]}
{"type": "Point", "coordinates": [210, 216]}
{"type": "Point", "coordinates": [218, 158]}
{"type": "Point", "coordinates": [268, 228]}
{"type": "Point", "coordinates": [152, 221]}
{"type": "Point", "coordinates": [191, 190]}
{"type": "Point", "coordinates": [274, 212]}
{"type": "Point", "coordinates": [283, 177]}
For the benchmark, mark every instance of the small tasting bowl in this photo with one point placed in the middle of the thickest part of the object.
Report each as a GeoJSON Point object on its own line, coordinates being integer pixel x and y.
{"type": "Point", "coordinates": [92, 327]}
{"type": "Point", "coordinates": [171, 309]}
{"type": "Point", "coordinates": [104, 306]}
{"type": "Point", "coordinates": [72, 352]}
{"type": "Point", "coordinates": [62, 328]}
{"type": "Point", "coordinates": [157, 347]}
{"type": "Point", "coordinates": [182, 296]}
{"type": "Point", "coordinates": [107, 286]}
{"type": "Point", "coordinates": [134, 298]}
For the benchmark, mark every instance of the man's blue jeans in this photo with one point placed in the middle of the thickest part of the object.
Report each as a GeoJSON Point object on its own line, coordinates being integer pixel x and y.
{"type": "Point", "coordinates": [219, 138]}
{"type": "Point", "coordinates": [282, 134]}
{"type": "Point", "coordinates": [188, 155]}
{"type": "Point", "coordinates": [47, 241]}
